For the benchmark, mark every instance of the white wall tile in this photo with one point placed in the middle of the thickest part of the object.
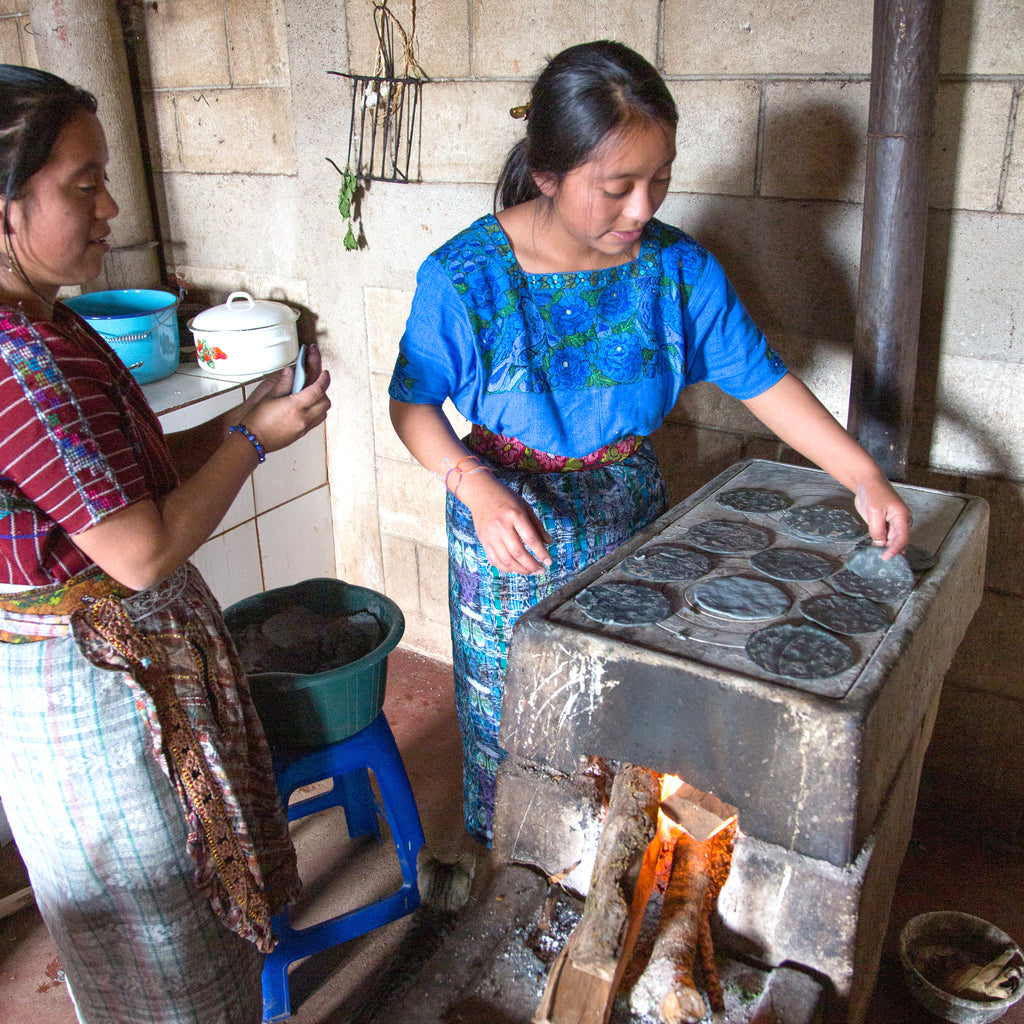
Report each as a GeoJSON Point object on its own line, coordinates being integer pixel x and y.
{"type": "Point", "coordinates": [230, 564]}
{"type": "Point", "coordinates": [292, 471]}
{"type": "Point", "coordinates": [297, 540]}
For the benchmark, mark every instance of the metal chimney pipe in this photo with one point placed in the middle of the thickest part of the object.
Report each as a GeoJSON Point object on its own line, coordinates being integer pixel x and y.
{"type": "Point", "coordinates": [82, 41]}
{"type": "Point", "coordinates": [904, 78]}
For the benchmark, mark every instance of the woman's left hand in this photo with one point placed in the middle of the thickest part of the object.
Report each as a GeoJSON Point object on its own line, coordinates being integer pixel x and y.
{"type": "Point", "coordinates": [275, 415]}
{"type": "Point", "coordinates": [885, 513]}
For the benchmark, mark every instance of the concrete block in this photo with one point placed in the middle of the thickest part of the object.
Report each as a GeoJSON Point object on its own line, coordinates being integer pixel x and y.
{"type": "Point", "coordinates": [433, 565]}
{"type": "Point", "coordinates": [467, 131]}
{"type": "Point", "coordinates": [702, 712]}
{"type": "Point", "coordinates": [794, 265]}
{"type": "Point", "coordinates": [10, 45]}
{"type": "Point", "coordinates": [387, 310]}
{"type": "Point", "coordinates": [411, 502]}
{"type": "Point", "coordinates": [1013, 197]}
{"type": "Point", "coordinates": [985, 37]}
{"type": "Point", "coordinates": [401, 573]}
{"type": "Point", "coordinates": [813, 140]}
{"type": "Point", "coordinates": [28, 43]}
{"type": "Point", "coordinates": [790, 37]}
{"type": "Point", "coordinates": [186, 44]}
{"type": "Point", "coordinates": [824, 367]}
{"type": "Point", "coordinates": [777, 906]}
{"type": "Point", "coordinates": [549, 821]}
{"type": "Point", "coordinates": [990, 657]}
{"type": "Point", "coordinates": [632, 23]}
{"type": "Point", "coordinates": [716, 142]}
{"type": "Point", "coordinates": [791, 996]}
{"type": "Point", "coordinates": [424, 217]}
{"type": "Point", "coordinates": [704, 404]}
{"type": "Point", "coordinates": [967, 149]}
{"type": "Point", "coordinates": [973, 290]}
{"type": "Point", "coordinates": [161, 121]}
{"type": "Point", "coordinates": [1005, 569]}
{"type": "Point", "coordinates": [241, 223]}
{"type": "Point", "coordinates": [385, 441]}
{"type": "Point", "coordinates": [257, 42]}
{"type": "Point", "coordinates": [225, 131]}
{"type": "Point", "coordinates": [979, 417]}
{"type": "Point", "coordinates": [440, 42]}
{"type": "Point", "coordinates": [13, 7]}
{"type": "Point", "coordinates": [516, 40]}
{"type": "Point", "coordinates": [690, 455]}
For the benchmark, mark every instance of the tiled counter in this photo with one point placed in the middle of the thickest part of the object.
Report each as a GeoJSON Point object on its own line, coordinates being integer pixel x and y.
{"type": "Point", "coordinates": [278, 530]}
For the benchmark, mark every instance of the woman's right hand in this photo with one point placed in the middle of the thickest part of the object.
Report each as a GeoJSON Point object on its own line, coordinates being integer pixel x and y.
{"type": "Point", "coordinates": [512, 536]}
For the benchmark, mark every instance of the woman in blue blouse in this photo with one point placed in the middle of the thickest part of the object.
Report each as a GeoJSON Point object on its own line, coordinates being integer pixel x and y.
{"type": "Point", "coordinates": [563, 328]}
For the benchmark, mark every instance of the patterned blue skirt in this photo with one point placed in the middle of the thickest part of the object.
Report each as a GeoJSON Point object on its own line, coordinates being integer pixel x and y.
{"type": "Point", "coordinates": [589, 513]}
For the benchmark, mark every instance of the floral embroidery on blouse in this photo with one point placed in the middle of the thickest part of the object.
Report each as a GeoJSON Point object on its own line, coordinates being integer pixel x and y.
{"type": "Point", "coordinates": [560, 332]}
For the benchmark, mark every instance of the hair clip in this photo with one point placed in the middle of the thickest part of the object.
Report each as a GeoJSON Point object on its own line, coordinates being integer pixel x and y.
{"type": "Point", "coordinates": [521, 113]}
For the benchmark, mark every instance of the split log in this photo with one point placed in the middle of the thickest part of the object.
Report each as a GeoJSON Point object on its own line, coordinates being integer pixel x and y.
{"type": "Point", "coordinates": [667, 988]}
{"type": "Point", "coordinates": [583, 979]}
{"type": "Point", "coordinates": [700, 865]}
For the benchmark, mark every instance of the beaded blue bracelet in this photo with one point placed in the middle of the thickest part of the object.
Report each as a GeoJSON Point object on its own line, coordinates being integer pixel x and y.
{"type": "Point", "coordinates": [238, 428]}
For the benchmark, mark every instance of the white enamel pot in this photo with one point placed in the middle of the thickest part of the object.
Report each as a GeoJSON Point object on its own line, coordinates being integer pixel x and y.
{"type": "Point", "coordinates": [245, 336]}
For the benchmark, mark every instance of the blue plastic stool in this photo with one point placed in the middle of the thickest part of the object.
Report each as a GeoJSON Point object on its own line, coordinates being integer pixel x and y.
{"type": "Point", "coordinates": [346, 763]}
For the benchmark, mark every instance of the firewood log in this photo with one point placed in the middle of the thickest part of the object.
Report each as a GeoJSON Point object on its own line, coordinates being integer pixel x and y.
{"type": "Point", "coordinates": [667, 989]}
{"type": "Point", "coordinates": [629, 828]}
{"type": "Point", "coordinates": [583, 979]}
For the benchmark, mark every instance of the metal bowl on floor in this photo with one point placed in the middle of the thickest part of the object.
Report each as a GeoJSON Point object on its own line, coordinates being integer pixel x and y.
{"type": "Point", "coordinates": [941, 950]}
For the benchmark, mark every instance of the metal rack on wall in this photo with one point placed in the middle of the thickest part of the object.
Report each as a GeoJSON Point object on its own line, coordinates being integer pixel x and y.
{"type": "Point", "coordinates": [383, 126]}
{"type": "Point", "coordinates": [385, 105]}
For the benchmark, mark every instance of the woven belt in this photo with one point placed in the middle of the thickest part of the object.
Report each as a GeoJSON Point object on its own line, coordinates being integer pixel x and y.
{"type": "Point", "coordinates": [43, 612]}
{"type": "Point", "coordinates": [511, 453]}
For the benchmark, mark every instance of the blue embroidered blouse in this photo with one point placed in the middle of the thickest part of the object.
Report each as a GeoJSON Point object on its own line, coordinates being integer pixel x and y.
{"type": "Point", "coordinates": [570, 362]}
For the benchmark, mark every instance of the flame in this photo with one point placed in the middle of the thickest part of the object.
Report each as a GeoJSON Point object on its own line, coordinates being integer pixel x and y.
{"type": "Point", "coordinates": [668, 830]}
{"type": "Point", "coordinates": [669, 784]}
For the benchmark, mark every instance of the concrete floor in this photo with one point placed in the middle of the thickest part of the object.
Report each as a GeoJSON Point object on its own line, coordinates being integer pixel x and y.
{"type": "Point", "coordinates": [336, 986]}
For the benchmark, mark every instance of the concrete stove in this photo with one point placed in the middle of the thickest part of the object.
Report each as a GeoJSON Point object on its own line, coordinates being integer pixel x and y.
{"type": "Point", "coordinates": [824, 770]}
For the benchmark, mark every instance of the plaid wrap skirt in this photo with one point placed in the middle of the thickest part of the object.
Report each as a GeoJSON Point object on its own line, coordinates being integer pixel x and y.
{"type": "Point", "coordinates": [138, 942]}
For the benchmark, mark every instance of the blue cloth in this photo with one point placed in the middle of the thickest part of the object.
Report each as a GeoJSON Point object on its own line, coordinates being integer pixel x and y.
{"type": "Point", "coordinates": [568, 363]}
{"type": "Point", "coordinates": [588, 514]}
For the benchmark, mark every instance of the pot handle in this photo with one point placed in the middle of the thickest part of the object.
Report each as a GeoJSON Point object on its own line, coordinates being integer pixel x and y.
{"type": "Point", "coordinates": [250, 301]}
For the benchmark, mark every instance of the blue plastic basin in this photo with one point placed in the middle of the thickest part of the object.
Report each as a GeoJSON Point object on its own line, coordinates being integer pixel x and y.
{"type": "Point", "coordinates": [141, 325]}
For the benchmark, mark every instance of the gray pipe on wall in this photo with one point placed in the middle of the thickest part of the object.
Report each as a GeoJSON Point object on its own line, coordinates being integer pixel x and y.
{"type": "Point", "coordinates": [82, 41]}
{"type": "Point", "coordinates": [904, 79]}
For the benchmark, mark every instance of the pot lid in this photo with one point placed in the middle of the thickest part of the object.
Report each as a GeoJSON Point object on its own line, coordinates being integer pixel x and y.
{"type": "Point", "coordinates": [241, 312]}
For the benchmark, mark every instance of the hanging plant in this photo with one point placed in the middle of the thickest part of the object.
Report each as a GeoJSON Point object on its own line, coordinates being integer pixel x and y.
{"type": "Point", "coordinates": [348, 205]}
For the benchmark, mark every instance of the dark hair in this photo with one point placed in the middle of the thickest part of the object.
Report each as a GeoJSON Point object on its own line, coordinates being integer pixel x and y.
{"type": "Point", "coordinates": [35, 107]}
{"type": "Point", "coordinates": [584, 93]}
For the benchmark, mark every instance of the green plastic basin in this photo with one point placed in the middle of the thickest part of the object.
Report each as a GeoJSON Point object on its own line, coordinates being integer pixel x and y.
{"type": "Point", "coordinates": [303, 712]}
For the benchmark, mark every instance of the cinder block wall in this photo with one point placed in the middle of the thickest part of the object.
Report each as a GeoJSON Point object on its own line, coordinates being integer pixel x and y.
{"type": "Point", "coordinates": [241, 116]}
{"type": "Point", "coordinates": [770, 175]}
